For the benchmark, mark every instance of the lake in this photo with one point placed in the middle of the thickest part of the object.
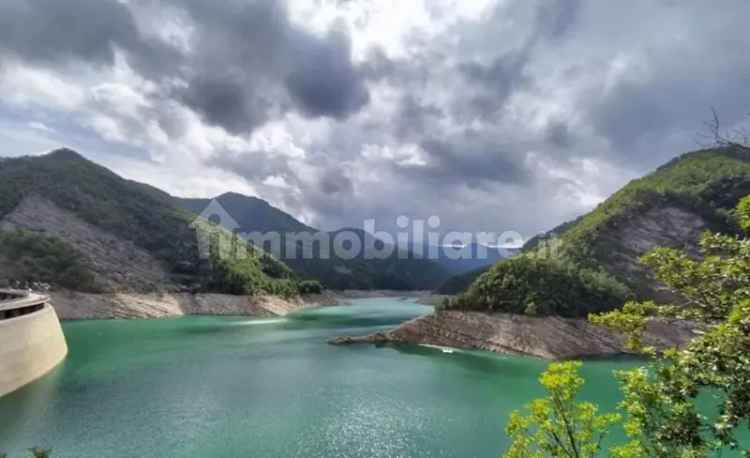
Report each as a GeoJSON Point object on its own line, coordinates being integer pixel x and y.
{"type": "Point", "coordinates": [234, 386]}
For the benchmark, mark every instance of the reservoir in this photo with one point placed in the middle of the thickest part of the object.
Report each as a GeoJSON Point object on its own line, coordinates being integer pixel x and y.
{"type": "Point", "coordinates": [234, 386]}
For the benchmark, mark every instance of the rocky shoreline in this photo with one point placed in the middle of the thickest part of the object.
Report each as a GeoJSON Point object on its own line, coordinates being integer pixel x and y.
{"type": "Point", "coordinates": [72, 305]}
{"type": "Point", "coordinates": [544, 337]}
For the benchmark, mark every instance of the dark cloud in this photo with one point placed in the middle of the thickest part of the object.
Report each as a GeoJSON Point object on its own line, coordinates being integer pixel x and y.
{"type": "Point", "coordinates": [506, 72]}
{"type": "Point", "coordinates": [323, 81]}
{"type": "Point", "coordinates": [252, 62]}
{"type": "Point", "coordinates": [499, 79]}
{"type": "Point", "coordinates": [556, 17]}
{"type": "Point", "coordinates": [469, 161]}
{"type": "Point", "coordinates": [227, 100]}
{"type": "Point", "coordinates": [657, 108]}
{"type": "Point", "coordinates": [558, 133]}
{"type": "Point", "coordinates": [52, 32]}
{"type": "Point", "coordinates": [248, 61]}
{"type": "Point", "coordinates": [415, 117]}
{"type": "Point", "coordinates": [335, 181]}
{"type": "Point", "coordinates": [541, 104]}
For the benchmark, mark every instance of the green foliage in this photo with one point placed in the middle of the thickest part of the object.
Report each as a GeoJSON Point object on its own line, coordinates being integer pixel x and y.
{"type": "Point", "coordinates": [310, 287]}
{"type": "Point", "coordinates": [558, 425]}
{"type": "Point", "coordinates": [631, 320]}
{"type": "Point", "coordinates": [239, 268]}
{"type": "Point", "coordinates": [659, 404]}
{"type": "Point", "coordinates": [743, 214]}
{"type": "Point", "coordinates": [41, 258]}
{"type": "Point", "coordinates": [460, 283]}
{"type": "Point", "coordinates": [662, 418]}
{"type": "Point", "coordinates": [539, 286]}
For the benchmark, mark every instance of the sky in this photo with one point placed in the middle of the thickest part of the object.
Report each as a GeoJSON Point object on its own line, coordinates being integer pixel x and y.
{"type": "Point", "coordinates": [504, 115]}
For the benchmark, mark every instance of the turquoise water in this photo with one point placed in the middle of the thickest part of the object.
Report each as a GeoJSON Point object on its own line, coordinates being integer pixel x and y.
{"type": "Point", "coordinates": [237, 387]}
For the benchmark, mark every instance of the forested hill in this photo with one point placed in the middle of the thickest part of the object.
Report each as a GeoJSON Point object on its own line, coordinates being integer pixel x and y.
{"type": "Point", "coordinates": [592, 264]}
{"type": "Point", "coordinates": [68, 221]}
{"type": "Point", "coordinates": [250, 213]}
{"type": "Point", "coordinates": [402, 270]}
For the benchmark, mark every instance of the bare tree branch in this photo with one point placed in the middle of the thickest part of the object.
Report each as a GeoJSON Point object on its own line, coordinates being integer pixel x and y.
{"type": "Point", "coordinates": [737, 138]}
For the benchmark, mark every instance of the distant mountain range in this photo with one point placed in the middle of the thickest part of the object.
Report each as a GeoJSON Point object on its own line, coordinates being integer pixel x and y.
{"type": "Point", "coordinates": [401, 270]}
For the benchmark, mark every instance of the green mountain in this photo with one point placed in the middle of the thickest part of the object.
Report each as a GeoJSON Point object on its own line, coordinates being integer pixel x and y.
{"type": "Point", "coordinates": [68, 221]}
{"type": "Point", "coordinates": [251, 213]}
{"type": "Point", "coordinates": [401, 270]}
{"type": "Point", "coordinates": [591, 264]}
{"type": "Point", "coordinates": [461, 282]}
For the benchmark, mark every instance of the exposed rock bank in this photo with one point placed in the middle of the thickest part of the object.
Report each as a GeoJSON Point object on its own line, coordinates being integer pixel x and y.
{"type": "Point", "coordinates": [544, 337]}
{"type": "Point", "coordinates": [71, 305]}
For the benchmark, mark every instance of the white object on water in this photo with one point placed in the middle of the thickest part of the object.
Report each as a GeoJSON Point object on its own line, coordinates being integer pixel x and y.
{"type": "Point", "coordinates": [448, 350]}
{"type": "Point", "coordinates": [261, 321]}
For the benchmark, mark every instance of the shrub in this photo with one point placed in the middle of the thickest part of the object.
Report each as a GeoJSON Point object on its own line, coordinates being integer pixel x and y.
{"type": "Point", "coordinates": [310, 287]}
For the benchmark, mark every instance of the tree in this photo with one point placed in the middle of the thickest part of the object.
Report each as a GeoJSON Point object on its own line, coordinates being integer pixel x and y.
{"type": "Point", "coordinates": [557, 425]}
{"type": "Point", "coordinates": [659, 403]}
{"type": "Point", "coordinates": [736, 138]}
{"type": "Point", "coordinates": [661, 417]}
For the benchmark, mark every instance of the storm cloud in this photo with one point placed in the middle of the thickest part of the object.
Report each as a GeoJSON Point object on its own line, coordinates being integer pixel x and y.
{"type": "Point", "coordinates": [493, 115]}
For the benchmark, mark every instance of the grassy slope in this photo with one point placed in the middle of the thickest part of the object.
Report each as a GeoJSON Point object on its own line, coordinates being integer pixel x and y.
{"type": "Point", "coordinates": [708, 182]}
{"type": "Point", "coordinates": [127, 209]}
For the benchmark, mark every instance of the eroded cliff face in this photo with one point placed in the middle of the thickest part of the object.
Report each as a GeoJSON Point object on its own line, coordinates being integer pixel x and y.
{"type": "Point", "coordinates": [544, 337]}
{"type": "Point", "coordinates": [662, 226]}
{"type": "Point", "coordinates": [117, 264]}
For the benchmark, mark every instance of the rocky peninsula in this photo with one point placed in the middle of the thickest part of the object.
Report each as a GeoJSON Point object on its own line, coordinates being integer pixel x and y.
{"type": "Point", "coordinates": [544, 337]}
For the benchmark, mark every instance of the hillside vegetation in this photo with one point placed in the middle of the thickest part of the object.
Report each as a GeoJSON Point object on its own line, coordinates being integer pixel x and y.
{"type": "Point", "coordinates": [402, 270]}
{"type": "Point", "coordinates": [27, 257]}
{"type": "Point", "coordinates": [130, 211]}
{"type": "Point", "coordinates": [461, 282]}
{"type": "Point", "coordinates": [592, 264]}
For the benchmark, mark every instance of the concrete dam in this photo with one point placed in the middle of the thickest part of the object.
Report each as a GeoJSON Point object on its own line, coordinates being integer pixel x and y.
{"type": "Point", "coordinates": [31, 339]}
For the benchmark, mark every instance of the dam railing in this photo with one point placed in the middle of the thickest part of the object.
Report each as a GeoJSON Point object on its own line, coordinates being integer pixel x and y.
{"type": "Point", "coordinates": [15, 303]}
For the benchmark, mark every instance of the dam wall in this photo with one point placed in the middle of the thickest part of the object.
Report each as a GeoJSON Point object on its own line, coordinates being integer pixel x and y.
{"type": "Point", "coordinates": [31, 340]}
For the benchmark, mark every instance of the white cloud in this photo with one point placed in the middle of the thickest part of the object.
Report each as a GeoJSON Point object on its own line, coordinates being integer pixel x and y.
{"type": "Point", "coordinates": [40, 126]}
{"type": "Point", "coordinates": [25, 86]}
